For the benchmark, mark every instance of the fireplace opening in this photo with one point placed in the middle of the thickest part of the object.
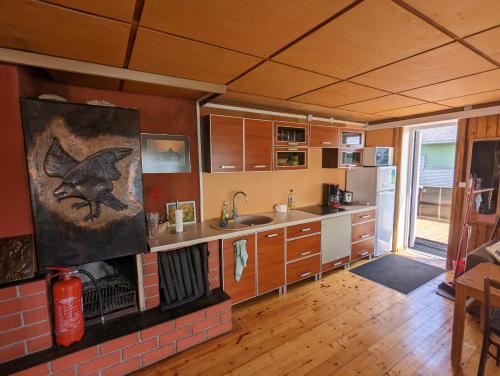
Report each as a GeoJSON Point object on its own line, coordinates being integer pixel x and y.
{"type": "Point", "coordinates": [183, 276]}
{"type": "Point", "coordinates": [117, 281]}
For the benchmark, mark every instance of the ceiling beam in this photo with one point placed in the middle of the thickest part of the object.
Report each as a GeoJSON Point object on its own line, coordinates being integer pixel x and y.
{"type": "Point", "coordinates": [12, 56]}
{"type": "Point", "coordinates": [467, 112]}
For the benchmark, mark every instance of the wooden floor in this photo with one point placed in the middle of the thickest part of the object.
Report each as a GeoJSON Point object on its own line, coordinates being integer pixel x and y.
{"type": "Point", "coordinates": [432, 230]}
{"type": "Point", "coordinates": [340, 325]}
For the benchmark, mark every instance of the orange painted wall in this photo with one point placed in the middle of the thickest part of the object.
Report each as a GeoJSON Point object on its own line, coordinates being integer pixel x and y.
{"type": "Point", "coordinates": [265, 189]}
{"type": "Point", "coordinates": [380, 137]}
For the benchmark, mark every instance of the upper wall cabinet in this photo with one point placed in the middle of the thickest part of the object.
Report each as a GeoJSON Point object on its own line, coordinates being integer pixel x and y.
{"type": "Point", "coordinates": [258, 145]}
{"type": "Point", "coordinates": [354, 138]}
{"type": "Point", "coordinates": [290, 134]}
{"type": "Point", "coordinates": [223, 143]}
{"type": "Point", "coordinates": [324, 136]}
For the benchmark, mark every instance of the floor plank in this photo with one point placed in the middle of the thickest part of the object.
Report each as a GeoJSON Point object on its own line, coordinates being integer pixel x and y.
{"type": "Point", "coordinates": [342, 325]}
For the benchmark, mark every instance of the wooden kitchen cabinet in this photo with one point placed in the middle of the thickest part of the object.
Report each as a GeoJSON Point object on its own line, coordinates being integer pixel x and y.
{"type": "Point", "coordinates": [291, 134]}
{"type": "Point", "coordinates": [246, 287]}
{"type": "Point", "coordinates": [258, 145]}
{"type": "Point", "coordinates": [363, 234]}
{"type": "Point", "coordinates": [335, 241]}
{"type": "Point", "coordinates": [324, 136]}
{"type": "Point", "coordinates": [303, 247]}
{"type": "Point", "coordinates": [304, 268]}
{"type": "Point", "coordinates": [223, 143]}
{"type": "Point", "coordinates": [271, 260]}
{"type": "Point", "coordinates": [353, 138]}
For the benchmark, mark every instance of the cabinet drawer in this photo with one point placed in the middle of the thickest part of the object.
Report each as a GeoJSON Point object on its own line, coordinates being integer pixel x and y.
{"type": "Point", "coordinates": [303, 247]}
{"type": "Point", "coordinates": [362, 249]}
{"type": "Point", "coordinates": [298, 270]}
{"type": "Point", "coordinates": [305, 229]}
{"type": "Point", "coordinates": [363, 231]}
{"type": "Point", "coordinates": [335, 264]}
{"type": "Point", "coordinates": [363, 216]}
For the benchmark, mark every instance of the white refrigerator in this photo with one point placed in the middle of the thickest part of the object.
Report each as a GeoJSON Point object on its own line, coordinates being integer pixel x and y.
{"type": "Point", "coordinates": [377, 186]}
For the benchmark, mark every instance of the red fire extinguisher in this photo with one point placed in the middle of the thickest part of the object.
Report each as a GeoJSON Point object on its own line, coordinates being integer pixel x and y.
{"type": "Point", "coordinates": [68, 309]}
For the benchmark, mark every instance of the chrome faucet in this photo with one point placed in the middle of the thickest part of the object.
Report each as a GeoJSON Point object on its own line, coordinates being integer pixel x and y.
{"type": "Point", "coordinates": [235, 210]}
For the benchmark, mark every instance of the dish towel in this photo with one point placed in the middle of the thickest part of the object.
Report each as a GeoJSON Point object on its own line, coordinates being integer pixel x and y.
{"type": "Point", "coordinates": [240, 258]}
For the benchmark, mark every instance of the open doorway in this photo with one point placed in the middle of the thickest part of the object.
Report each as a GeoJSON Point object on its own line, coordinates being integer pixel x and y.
{"type": "Point", "coordinates": [431, 188]}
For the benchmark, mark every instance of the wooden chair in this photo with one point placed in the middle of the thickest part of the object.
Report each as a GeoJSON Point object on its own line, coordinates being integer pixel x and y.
{"type": "Point", "coordinates": [491, 327]}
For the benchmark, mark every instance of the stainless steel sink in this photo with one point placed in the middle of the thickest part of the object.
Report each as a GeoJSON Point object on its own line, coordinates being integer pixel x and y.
{"type": "Point", "coordinates": [244, 222]}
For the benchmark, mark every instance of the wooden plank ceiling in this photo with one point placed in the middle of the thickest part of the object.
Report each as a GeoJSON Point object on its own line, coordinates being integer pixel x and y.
{"type": "Point", "coordinates": [359, 60]}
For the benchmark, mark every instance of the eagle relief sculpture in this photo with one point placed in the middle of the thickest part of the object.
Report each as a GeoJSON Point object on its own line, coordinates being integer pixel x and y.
{"type": "Point", "coordinates": [89, 180]}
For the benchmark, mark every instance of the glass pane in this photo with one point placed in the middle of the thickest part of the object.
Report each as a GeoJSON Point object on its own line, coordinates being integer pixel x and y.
{"type": "Point", "coordinates": [290, 158]}
{"type": "Point", "coordinates": [351, 138]}
{"type": "Point", "coordinates": [291, 134]}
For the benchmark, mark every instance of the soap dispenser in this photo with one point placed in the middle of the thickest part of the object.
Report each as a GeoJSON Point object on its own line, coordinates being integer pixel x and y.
{"type": "Point", "coordinates": [224, 215]}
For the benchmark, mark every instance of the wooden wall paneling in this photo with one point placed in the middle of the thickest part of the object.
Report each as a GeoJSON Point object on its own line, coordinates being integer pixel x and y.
{"type": "Point", "coordinates": [481, 127]}
{"type": "Point", "coordinates": [398, 138]}
{"type": "Point", "coordinates": [491, 126]}
{"type": "Point", "coordinates": [457, 193]}
{"type": "Point", "coordinates": [471, 129]}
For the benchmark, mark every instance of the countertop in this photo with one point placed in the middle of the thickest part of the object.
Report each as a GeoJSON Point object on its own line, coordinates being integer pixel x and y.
{"type": "Point", "coordinates": [201, 232]}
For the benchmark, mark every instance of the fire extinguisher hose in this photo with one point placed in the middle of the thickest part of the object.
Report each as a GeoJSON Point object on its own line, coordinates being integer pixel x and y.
{"type": "Point", "coordinates": [98, 289]}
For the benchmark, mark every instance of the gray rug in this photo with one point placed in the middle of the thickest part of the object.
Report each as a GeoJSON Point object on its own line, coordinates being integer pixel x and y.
{"type": "Point", "coordinates": [398, 273]}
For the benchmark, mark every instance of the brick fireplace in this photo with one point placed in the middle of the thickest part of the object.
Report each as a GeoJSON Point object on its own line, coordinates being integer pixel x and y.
{"type": "Point", "coordinates": [119, 346]}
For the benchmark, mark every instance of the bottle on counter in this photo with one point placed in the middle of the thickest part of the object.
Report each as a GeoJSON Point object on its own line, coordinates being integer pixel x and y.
{"type": "Point", "coordinates": [224, 215]}
{"type": "Point", "coordinates": [291, 199]}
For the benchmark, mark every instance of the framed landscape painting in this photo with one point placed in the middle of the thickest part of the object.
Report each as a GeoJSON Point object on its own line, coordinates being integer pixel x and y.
{"type": "Point", "coordinates": [162, 153]}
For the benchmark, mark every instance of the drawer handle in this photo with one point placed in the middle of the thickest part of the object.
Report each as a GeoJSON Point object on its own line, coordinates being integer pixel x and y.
{"type": "Point", "coordinates": [292, 149]}
{"type": "Point", "coordinates": [260, 166]}
{"type": "Point", "coordinates": [306, 253]}
{"type": "Point", "coordinates": [365, 216]}
{"type": "Point", "coordinates": [305, 274]}
{"type": "Point", "coordinates": [364, 253]}
{"type": "Point", "coordinates": [305, 229]}
{"type": "Point", "coordinates": [337, 263]}
{"type": "Point", "coordinates": [326, 142]}
{"type": "Point", "coordinates": [227, 167]}
{"type": "Point", "coordinates": [272, 235]}
{"type": "Point", "coordinates": [293, 143]}
{"type": "Point", "coordinates": [364, 236]}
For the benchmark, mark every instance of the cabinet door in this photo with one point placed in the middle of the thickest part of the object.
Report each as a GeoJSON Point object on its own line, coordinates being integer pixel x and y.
{"type": "Point", "coordinates": [352, 137]}
{"type": "Point", "coordinates": [258, 145]}
{"type": "Point", "coordinates": [335, 238]}
{"type": "Point", "coordinates": [271, 260]}
{"type": "Point", "coordinates": [226, 143]}
{"type": "Point", "coordinates": [245, 288]}
{"type": "Point", "coordinates": [324, 136]}
{"type": "Point", "coordinates": [290, 134]}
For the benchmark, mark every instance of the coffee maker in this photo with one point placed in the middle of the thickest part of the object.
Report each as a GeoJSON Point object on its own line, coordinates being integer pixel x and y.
{"type": "Point", "coordinates": [331, 195]}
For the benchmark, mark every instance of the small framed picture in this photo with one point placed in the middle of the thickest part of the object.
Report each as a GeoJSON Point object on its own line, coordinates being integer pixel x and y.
{"type": "Point", "coordinates": [163, 153]}
{"type": "Point", "coordinates": [188, 212]}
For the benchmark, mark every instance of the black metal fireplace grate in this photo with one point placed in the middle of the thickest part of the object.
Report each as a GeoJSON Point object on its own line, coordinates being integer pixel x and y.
{"type": "Point", "coordinates": [117, 291]}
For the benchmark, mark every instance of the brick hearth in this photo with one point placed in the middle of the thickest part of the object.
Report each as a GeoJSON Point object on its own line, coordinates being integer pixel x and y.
{"type": "Point", "coordinates": [25, 328]}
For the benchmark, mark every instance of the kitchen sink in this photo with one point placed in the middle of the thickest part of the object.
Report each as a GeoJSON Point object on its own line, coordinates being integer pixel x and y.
{"type": "Point", "coordinates": [244, 222]}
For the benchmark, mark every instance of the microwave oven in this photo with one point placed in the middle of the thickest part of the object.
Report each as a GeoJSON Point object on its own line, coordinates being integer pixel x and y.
{"type": "Point", "coordinates": [377, 156]}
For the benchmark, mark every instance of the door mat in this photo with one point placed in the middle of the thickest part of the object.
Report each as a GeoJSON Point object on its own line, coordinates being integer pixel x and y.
{"type": "Point", "coordinates": [398, 273]}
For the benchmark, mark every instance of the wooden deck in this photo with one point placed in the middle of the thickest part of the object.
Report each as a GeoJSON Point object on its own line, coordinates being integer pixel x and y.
{"type": "Point", "coordinates": [341, 325]}
{"type": "Point", "coordinates": [432, 230]}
